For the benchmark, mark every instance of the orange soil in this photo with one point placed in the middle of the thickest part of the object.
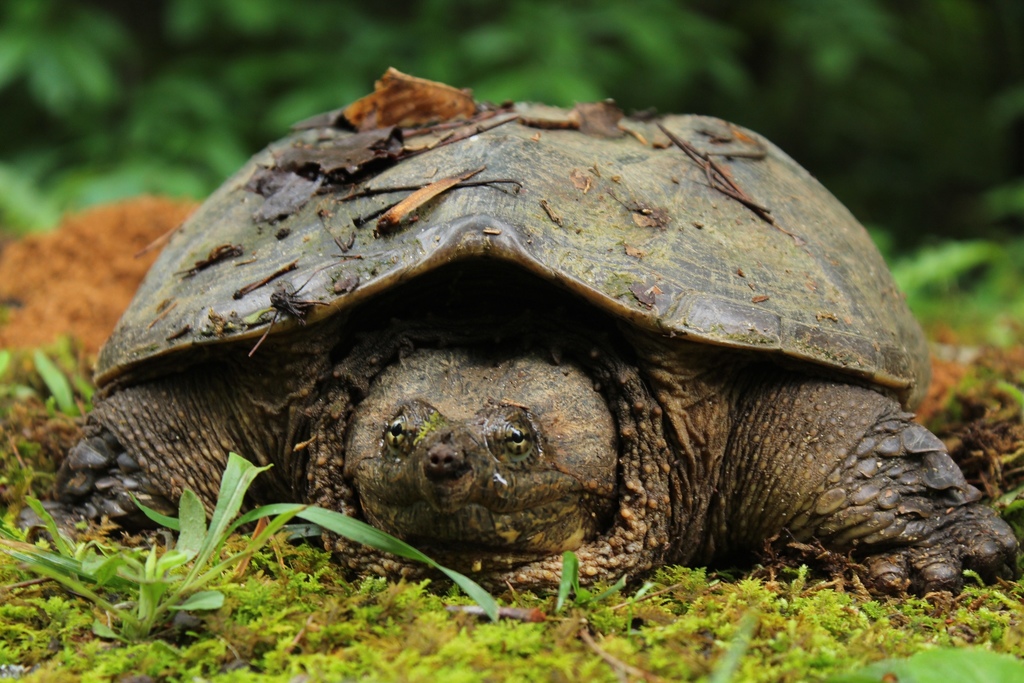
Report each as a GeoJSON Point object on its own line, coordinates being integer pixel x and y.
{"type": "Point", "coordinates": [79, 278]}
{"type": "Point", "coordinates": [946, 375]}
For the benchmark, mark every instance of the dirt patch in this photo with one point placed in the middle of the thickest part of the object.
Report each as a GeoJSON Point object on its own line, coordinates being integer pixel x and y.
{"type": "Point", "coordinates": [79, 278]}
{"type": "Point", "coordinates": [946, 375]}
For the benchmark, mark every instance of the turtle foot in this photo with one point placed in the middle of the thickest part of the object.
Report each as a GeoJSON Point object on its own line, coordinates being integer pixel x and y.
{"type": "Point", "coordinates": [971, 538]}
{"type": "Point", "coordinates": [903, 507]}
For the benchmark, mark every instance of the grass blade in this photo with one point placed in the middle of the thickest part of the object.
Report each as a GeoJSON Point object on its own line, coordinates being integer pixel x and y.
{"type": "Point", "coordinates": [37, 557]}
{"type": "Point", "coordinates": [727, 665]}
{"type": "Point", "coordinates": [61, 542]}
{"type": "Point", "coordinates": [163, 520]}
{"type": "Point", "coordinates": [56, 382]}
{"type": "Point", "coordinates": [361, 532]}
{"type": "Point", "coordinates": [203, 600]}
{"type": "Point", "coordinates": [570, 581]}
{"type": "Point", "coordinates": [611, 590]}
{"type": "Point", "coordinates": [238, 476]}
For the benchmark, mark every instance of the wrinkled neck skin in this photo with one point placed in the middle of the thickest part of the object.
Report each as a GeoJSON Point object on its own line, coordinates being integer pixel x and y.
{"type": "Point", "coordinates": [617, 519]}
{"type": "Point", "coordinates": [697, 388]}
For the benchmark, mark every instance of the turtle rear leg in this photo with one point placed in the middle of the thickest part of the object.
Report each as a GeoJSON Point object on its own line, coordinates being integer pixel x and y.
{"type": "Point", "coordinates": [847, 466]}
{"type": "Point", "coordinates": [98, 479]}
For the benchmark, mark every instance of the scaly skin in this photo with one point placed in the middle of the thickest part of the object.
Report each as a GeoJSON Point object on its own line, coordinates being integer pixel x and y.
{"type": "Point", "coordinates": [847, 466]}
{"type": "Point", "coordinates": [541, 367]}
{"type": "Point", "coordinates": [696, 456]}
{"type": "Point", "coordinates": [154, 438]}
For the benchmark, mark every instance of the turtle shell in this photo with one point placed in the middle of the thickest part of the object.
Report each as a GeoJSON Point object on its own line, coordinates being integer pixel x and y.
{"type": "Point", "coordinates": [685, 226]}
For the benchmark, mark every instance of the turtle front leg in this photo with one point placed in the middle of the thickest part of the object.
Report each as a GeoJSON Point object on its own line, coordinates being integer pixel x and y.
{"type": "Point", "coordinates": [847, 466]}
{"type": "Point", "coordinates": [98, 478]}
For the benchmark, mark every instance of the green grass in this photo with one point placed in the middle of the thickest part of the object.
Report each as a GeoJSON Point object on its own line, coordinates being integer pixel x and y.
{"type": "Point", "coordinates": [151, 584]}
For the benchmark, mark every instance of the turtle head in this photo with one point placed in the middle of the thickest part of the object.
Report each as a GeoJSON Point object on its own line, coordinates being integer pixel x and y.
{"type": "Point", "coordinates": [469, 451]}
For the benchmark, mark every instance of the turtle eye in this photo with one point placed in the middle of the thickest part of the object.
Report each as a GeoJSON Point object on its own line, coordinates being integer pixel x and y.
{"type": "Point", "coordinates": [396, 433]}
{"type": "Point", "coordinates": [518, 442]}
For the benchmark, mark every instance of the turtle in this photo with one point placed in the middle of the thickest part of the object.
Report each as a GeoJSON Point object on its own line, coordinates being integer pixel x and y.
{"type": "Point", "coordinates": [503, 332]}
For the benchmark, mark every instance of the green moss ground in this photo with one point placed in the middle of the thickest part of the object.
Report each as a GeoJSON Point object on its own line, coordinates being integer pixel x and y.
{"type": "Point", "coordinates": [292, 615]}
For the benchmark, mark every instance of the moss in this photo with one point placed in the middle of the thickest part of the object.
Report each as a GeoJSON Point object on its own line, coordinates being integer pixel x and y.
{"type": "Point", "coordinates": [294, 612]}
{"type": "Point", "coordinates": [432, 423]}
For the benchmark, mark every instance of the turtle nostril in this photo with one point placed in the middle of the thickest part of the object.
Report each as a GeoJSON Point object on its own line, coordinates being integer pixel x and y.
{"type": "Point", "coordinates": [444, 461]}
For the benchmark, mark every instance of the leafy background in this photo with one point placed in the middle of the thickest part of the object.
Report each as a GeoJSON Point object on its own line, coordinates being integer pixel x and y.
{"type": "Point", "coordinates": [911, 112]}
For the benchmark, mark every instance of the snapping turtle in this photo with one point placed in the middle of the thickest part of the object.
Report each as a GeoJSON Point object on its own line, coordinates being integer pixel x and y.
{"type": "Point", "coordinates": [502, 332]}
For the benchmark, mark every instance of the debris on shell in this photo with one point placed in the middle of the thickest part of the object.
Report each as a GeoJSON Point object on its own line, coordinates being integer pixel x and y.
{"type": "Point", "coordinates": [546, 117]}
{"type": "Point", "coordinates": [393, 216]}
{"type": "Point", "coordinates": [552, 214]}
{"type": "Point", "coordinates": [181, 332]}
{"type": "Point", "coordinates": [216, 255]}
{"type": "Point", "coordinates": [402, 100]}
{"type": "Point", "coordinates": [284, 192]}
{"type": "Point", "coordinates": [634, 252]}
{"type": "Point", "coordinates": [347, 156]}
{"type": "Point", "coordinates": [650, 217]}
{"type": "Point", "coordinates": [600, 119]}
{"type": "Point", "coordinates": [346, 284]}
{"type": "Point", "coordinates": [644, 215]}
{"type": "Point", "coordinates": [645, 294]}
{"type": "Point", "coordinates": [251, 287]}
{"type": "Point", "coordinates": [580, 180]}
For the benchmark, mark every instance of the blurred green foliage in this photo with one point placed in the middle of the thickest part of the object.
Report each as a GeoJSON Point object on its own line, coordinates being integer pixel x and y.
{"type": "Point", "coordinates": [911, 112]}
{"type": "Point", "coordinates": [972, 287]}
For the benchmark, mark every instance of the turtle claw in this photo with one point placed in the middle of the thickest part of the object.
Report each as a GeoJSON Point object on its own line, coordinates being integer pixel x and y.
{"type": "Point", "coordinates": [887, 573]}
{"type": "Point", "coordinates": [989, 546]}
{"type": "Point", "coordinates": [901, 505]}
{"type": "Point", "coordinates": [974, 538]}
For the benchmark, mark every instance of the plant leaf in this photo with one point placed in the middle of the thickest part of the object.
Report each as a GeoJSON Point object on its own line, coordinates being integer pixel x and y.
{"type": "Point", "coordinates": [38, 559]}
{"type": "Point", "coordinates": [203, 600]}
{"type": "Point", "coordinates": [104, 631]}
{"type": "Point", "coordinates": [192, 522]}
{"type": "Point", "coordinates": [56, 382]}
{"type": "Point", "coordinates": [361, 532]}
{"type": "Point", "coordinates": [163, 520]}
{"type": "Point", "coordinates": [730, 662]}
{"type": "Point", "coordinates": [611, 590]}
{"type": "Point", "coordinates": [170, 560]}
{"type": "Point", "coordinates": [238, 476]}
{"type": "Point", "coordinates": [941, 666]}
{"type": "Point", "coordinates": [570, 581]}
{"type": "Point", "coordinates": [102, 569]}
{"type": "Point", "coordinates": [61, 542]}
